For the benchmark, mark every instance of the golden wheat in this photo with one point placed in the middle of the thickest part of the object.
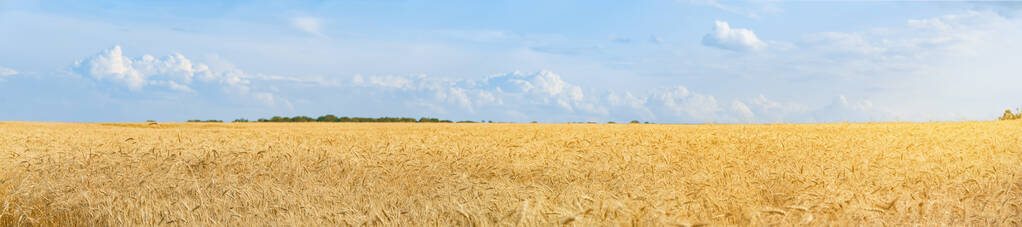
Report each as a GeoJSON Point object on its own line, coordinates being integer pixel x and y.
{"type": "Point", "coordinates": [510, 174]}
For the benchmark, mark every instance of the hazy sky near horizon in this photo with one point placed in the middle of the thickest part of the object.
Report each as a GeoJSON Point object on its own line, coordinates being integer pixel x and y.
{"type": "Point", "coordinates": [548, 61]}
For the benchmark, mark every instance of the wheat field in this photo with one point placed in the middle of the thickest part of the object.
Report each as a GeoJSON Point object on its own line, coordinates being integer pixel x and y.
{"type": "Point", "coordinates": [329, 174]}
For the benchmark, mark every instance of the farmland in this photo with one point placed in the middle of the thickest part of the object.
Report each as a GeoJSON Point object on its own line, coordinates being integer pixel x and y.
{"type": "Point", "coordinates": [967, 173]}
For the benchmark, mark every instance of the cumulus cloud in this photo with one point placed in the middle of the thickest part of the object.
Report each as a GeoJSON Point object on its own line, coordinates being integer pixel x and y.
{"type": "Point", "coordinates": [113, 65]}
{"type": "Point", "coordinates": [544, 85]}
{"type": "Point", "coordinates": [735, 39]}
{"type": "Point", "coordinates": [745, 114]}
{"type": "Point", "coordinates": [309, 25]}
{"type": "Point", "coordinates": [518, 89]}
{"type": "Point", "coordinates": [679, 103]}
{"type": "Point", "coordinates": [628, 105]}
{"type": "Point", "coordinates": [137, 73]}
{"type": "Point", "coordinates": [4, 72]}
{"type": "Point", "coordinates": [174, 73]}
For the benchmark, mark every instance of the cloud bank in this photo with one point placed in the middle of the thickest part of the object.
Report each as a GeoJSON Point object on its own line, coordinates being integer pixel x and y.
{"type": "Point", "coordinates": [545, 96]}
{"type": "Point", "coordinates": [146, 86]}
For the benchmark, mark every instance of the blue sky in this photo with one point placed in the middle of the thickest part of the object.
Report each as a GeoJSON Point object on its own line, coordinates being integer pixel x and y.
{"type": "Point", "coordinates": [548, 61]}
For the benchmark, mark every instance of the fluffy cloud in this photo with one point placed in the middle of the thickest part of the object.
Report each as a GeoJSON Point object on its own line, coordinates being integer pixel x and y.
{"type": "Point", "coordinates": [4, 71]}
{"type": "Point", "coordinates": [542, 89]}
{"type": "Point", "coordinates": [174, 73]}
{"type": "Point", "coordinates": [736, 39]}
{"type": "Point", "coordinates": [678, 103]}
{"type": "Point", "coordinates": [744, 112]}
{"type": "Point", "coordinates": [137, 73]}
{"type": "Point", "coordinates": [309, 25]}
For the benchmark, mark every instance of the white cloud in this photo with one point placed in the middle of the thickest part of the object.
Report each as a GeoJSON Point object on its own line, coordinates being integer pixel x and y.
{"type": "Point", "coordinates": [6, 72]}
{"type": "Point", "coordinates": [736, 39]}
{"type": "Point", "coordinates": [516, 96]}
{"type": "Point", "coordinates": [628, 106]}
{"type": "Point", "coordinates": [844, 110]}
{"type": "Point", "coordinates": [679, 103]}
{"type": "Point", "coordinates": [358, 80]}
{"type": "Point", "coordinates": [945, 67]}
{"type": "Point", "coordinates": [774, 111]}
{"type": "Point", "coordinates": [309, 25]}
{"type": "Point", "coordinates": [743, 111]}
{"type": "Point", "coordinates": [542, 88]}
{"type": "Point", "coordinates": [627, 100]}
{"type": "Point", "coordinates": [177, 73]}
{"type": "Point", "coordinates": [174, 71]}
{"type": "Point", "coordinates": [952, 35]}
{"type": "Point", "coordinates": [390, 81]}
{"type": "Point", "coordinates": [113, 65]}
{"type": "Point", "coordinates": [544, 85]}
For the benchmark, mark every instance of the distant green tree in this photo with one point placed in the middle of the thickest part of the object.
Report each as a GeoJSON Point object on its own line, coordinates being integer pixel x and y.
{"type": "Point", "coordinates": [334, 118]}
{"type": "Point", "coordinates": [327, 118]}
{"type": "Point", "coordinates": [206, 121]}
{"type": "Point", "coordinates": [634, 122]}
{"type": "Point", "coordinates": [240, 120]}
{"type": "Point", "coordinates": [424, 119]}
{"type": "Point", "coordinates": [1008, 115]}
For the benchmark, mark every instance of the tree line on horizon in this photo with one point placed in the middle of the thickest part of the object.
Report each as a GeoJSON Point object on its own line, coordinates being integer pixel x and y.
{"type": "Point", "coordinates": [334, 118]}
{"type": "Point", "coordinates": [1008, 115]}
